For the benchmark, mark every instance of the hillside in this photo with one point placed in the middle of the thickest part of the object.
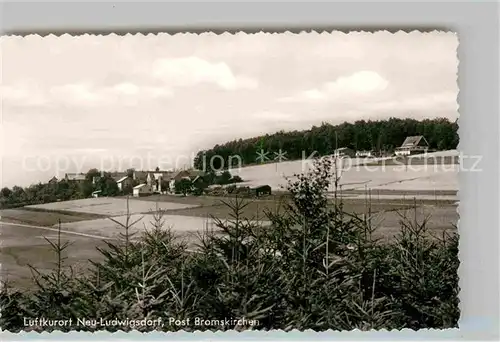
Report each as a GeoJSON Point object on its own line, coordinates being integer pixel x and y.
{"type": "Point", "coordinates": [360, 135]}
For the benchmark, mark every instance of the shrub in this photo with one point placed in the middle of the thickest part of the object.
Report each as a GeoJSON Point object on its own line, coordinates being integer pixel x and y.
{"type": "Point", "coordinates": [236, 179]}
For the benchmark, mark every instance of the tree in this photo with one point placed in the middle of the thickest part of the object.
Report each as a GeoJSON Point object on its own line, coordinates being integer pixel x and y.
{"type": "Point", "coordinates": [6, 192]}
{"type": "Point", "coordinates": [199, 185]}
{"type": "Point", "coordinates": [165, 185]}
{"type": "Point", "coordinates": [86, 189]}
{"type": "Point", "coordinates": [91, 174]}
{"type": "Point", "coordinates": [110, 187]}
{"type": "Point", "coordinates": [183, 186]}
{"type": "Point", "coordinates": [236, 179]}
{"type": "Point", "coordinates": [107, 185]}
{"type": "Point", "coordinates": [130, 172]}
{"type": "Point", "coordinates": [224, 178]}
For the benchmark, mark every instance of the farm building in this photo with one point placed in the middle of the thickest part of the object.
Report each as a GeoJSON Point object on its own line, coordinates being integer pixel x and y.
{"type": "Point", "coordinates": [344, 152]}
{"type": "Point", "coordinates": [412, 145]}
{"type": "Point", "coordinates": [261, 190]}
{"type": "Point", "coordinates": [142, 190]}
{"type": "Point", "coordinates": [124, 183]}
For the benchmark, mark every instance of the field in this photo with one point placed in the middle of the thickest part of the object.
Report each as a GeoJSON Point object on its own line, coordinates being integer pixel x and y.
{"type": "Point", "coordinates": [109, 206]}
{"type": "Point", "coordinates": [87, 222]}
{"type": "Point", "coordinates": [361, 173]}
{"type": "Point", "coordinates": [24, 245]}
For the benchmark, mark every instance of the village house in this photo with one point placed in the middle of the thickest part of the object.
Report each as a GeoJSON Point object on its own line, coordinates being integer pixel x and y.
{"type": "Point", "coordinates": [344, 152]}
{"type": "Point", "coordinates": [192, 175]}
{"type": "Point", "coordinates": [154, 179]}
{"type": "Point", "coordinates": [142, 190]}
{"type": "Point", "coordinates": [53, 180]}
{"type": "Point", "coordinates": [125, 183]}
{"type": "Point", "coordinates": [412, 145]}
{"type": "Point", "coordinates": [96, 193]}
{"type": "Point", "coordinates": [75, 177]}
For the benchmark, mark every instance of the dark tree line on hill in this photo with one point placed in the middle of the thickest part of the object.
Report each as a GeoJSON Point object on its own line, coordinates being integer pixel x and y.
{"type": "Point", "coordinates": [383, 135]}
{"type": "Point", "coordinates": [62, 190]}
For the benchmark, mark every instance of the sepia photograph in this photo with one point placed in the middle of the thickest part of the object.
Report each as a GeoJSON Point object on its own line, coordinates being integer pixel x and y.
{"type": "Point", "coordinates": [217, 182]}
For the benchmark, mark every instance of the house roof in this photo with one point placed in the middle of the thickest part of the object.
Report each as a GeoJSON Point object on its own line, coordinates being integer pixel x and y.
{"type": "Point", "coordinates": [96, 192]}
{"type": "Point", "coordinates": [165, 175]}
{"type": "Point", "coordinates": [139, 186]}
{"type": "Point", "coordinates": [118, 173]}
{"type": "Point", "coordinates": [121, 179]}
{"type": "Point", "coordinates": [187, 174]}
{"type": "Point", "coordinates": [196, 173]}
{"type": "Point", "coordinates": [75, 176]}
{"type": "Point", "coordinates": [142, 175]}
{"type": "Point", "coordinates": [196, 178]}
{"type": "Point", "coordinates": [413, 141]}
{"type": "Point", "coordinates": [342, 149]}
{"type": "Point", "coordinates": [260, 187]}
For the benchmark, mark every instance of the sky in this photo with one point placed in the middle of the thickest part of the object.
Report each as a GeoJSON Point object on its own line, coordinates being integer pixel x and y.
{"type": "Point", "coordinates": [113, 102]}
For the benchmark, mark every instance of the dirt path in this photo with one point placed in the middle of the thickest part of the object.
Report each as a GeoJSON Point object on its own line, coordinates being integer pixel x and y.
{"type": "Point", "coordinates": [54, 230]}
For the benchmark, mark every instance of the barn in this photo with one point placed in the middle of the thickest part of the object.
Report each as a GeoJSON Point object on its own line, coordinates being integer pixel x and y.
{"type": "Point", "coordinates": [261, 190]}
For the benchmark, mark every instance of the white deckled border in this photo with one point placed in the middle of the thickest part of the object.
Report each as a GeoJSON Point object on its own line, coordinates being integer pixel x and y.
{"type": "Point", "coordinates": [478, 52]}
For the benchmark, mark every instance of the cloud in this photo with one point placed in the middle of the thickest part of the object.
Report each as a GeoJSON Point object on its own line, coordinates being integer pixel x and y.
{"type": "Point", "coordinates": [191, 71]}
{"type": "Point", "coordinates": [164, 76]}
{"type": "Point", "coordinates": [429, 103]}
{"type": "Point", "coordinates": [24, 94]}
{"type": "Point", "coordinates": [362, 83]}
{"type": "Point", "coordinates": [77, 94]}
{"type": "Point", "coordinates": [80, 94]}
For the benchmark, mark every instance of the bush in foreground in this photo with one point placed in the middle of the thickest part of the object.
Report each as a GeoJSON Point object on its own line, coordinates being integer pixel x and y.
{"type": "Point", "coordinates": [315, 267]}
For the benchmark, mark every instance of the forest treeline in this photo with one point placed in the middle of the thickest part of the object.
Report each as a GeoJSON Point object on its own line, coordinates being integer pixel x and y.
{"type": "Point", "coordinates": [381, 135]}
{"type": "Point", "coordinates": [62, 190]}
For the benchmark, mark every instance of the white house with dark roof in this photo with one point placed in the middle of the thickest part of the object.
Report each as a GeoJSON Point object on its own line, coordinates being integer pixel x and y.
{"type": "Point", "coordinates": [153, 178]}
{"type": "Point", "coordinates": [413, 145]}
{"type": "Point", "coordinates": [124, 182]}
{"type": "Point", "coordinates": [142, 190]}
